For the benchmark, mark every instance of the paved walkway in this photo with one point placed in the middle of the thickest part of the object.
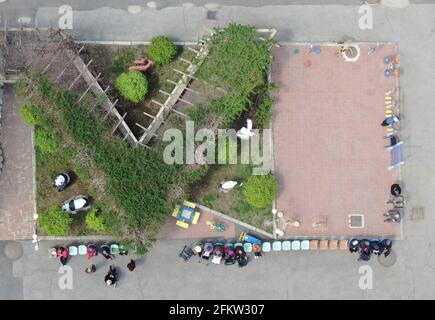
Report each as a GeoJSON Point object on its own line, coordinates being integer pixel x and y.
{"type": "Point", "coordinates": [16, 181]}
{"type": "Point", "coordinates": [329, 146]}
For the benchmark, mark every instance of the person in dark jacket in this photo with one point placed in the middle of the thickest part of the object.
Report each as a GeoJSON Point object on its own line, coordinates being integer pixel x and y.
{"type": "Point", "coordinates": [111, 277]}
{"type": "Point", "coordinates": [132, 265]}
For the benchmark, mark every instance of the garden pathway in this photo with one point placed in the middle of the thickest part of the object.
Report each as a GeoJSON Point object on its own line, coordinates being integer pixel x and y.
{"type": "Point", "coordinates": [16, 181]}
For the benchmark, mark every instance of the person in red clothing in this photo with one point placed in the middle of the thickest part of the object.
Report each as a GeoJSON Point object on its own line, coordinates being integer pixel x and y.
{"type": "Point", "coordinates": [62, 252]}
{"type": "Point", "coordinates": [91, 251]}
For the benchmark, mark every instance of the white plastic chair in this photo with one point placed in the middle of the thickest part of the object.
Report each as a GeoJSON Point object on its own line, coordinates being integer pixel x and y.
{"type": "Point", "coordinates": [286, 245]}
{"type": "Point", "coordinates": [276, 246]}
{"type": "Point", "coordinates": [82, 249]}
{"type": "Point", "coordinates": [72, 250]}
{"type": "Point", "coordinates": [114, 249]}
{"type": "Point", "coordinates": [238, 244]}
{"type": "Point", "coordinates": [305, 245]}
{"type": "Point", "coordinates": [247, 247]}
{"type": "Point", "coordinates": [296, 245]}
{"type": "Point", "coordinates": [265, 246]}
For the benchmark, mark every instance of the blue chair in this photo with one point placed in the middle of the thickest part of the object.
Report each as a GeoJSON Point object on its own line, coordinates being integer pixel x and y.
{"type": "Point", "coordinates": [286, 245]}
{"type": "Point", "coordinates": [276, 246]}
{"type": "Point", "coordinates": [305, 245]}
{"type": "Point", "coordinates": [247, 247]}
{"type": "Point", "coordinates": [296, 245]}
{"type": "Point", "coordinates": [265, 247]}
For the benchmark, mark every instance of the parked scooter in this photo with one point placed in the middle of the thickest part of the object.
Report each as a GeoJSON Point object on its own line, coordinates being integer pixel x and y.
{"type": "Point", "coordinates": [392, 216]}
{"type": "Point", "coordinates": [63, 254]}
{"type": "Point", "coordinates": [387, 244]}
{"type": "Point", "coordinates": [376, 247]}
{"type": "Point", "coordinates": [353, 245]}
{"type": "Point", "coordinates": [241, 257]}
{"type": "Point", "coordinates": [207, 250]}
{"type": "Point", "coordinates": [364, 250]}
{"type": "Point", "coordinates": [229, 255]}
{"type": "Point", "coordinates": [217, 254]}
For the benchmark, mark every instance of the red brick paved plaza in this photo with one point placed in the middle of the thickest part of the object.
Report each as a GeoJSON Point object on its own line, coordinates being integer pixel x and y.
{"type": "Point", "coordinates": [329, 146]}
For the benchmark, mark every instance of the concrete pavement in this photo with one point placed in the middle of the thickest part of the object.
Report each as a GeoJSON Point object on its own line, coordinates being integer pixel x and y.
{"type": "Point", "coordinates": [292, 275]}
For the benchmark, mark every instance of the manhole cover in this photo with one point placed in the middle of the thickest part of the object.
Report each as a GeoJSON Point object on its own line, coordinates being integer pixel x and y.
{"type": "Point", "coordinates": [13, 250]}
{"type": "Point", "coordinates": [417, 214]}
{"type": "Point", "coordinates": [387, 261]}
{"type": "Point", "coordinates": [211, 15]}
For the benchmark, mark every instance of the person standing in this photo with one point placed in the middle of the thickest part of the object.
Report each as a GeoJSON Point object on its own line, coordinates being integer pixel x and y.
{"type": "Point", "coordinates": [91, 269]}
{"type": "Point", "coordinates": [132, 265]}
{"type": "Point", "coordinates": [111, 277]}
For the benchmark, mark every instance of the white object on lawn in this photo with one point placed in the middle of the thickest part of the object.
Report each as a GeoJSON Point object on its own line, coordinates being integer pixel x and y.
{"type": "Point", "coordinates": [246, 132]}
{"type": "Point", "coordinates": [228, 185]}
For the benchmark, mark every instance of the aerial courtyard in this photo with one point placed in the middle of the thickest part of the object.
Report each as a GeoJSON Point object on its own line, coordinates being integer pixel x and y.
{"type": "Point", "coordinates": [330, 152]}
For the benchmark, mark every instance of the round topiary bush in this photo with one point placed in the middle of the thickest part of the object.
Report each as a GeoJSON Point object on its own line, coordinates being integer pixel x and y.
{"type": "Point", "coordinates": [32, 114]}
{"type": "Point", "coordinates": [95, 221]}
{"type": "Point", "coordinates": [54, 222]}
{"type": "Point", "coordinates": [260, 191]}
{"type": "Point", "coordinates": [162, 50]}
{"type": "Point", "coordinates": [46, 141]}
{"type": "Point", "coordinates": [132, 85]}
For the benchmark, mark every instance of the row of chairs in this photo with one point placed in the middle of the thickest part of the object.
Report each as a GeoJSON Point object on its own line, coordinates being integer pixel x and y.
{"type": "Point", "coordinates": [82, 249]}
{"type": "Point", "coordinates": [297, 245]}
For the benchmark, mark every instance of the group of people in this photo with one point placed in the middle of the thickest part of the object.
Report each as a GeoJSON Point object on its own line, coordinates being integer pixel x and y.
{"type": "Point", "coordinates": [366, 247]}
{"type": "Point", "coordinates": [216, 253]}
{"type": "Point", "coordinates": [111, 278]}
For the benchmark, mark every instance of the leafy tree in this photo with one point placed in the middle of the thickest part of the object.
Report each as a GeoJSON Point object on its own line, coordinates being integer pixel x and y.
{"type": "Point", "coordinates": [32, 114]}
{"type": "Point", "coordinates": [260, 191]}
{"type": "Point", "coordinates": [54, 222]}
{"type": "Point", "coordinates": [162, 50]}
{"type": "Point", "coordinates": [47, 141]}
{"type": "Point", "coordinates": [132, 85]}
{"type": "Point", "coordinates": [95, 220]}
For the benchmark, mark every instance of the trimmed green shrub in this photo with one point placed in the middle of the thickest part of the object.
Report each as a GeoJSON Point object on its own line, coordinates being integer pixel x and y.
{"type": "Point", "coordinates": [121, 63]}
{"type": "Point", "coordinates": [132, 85]}
{"type": "Point", "coordinates": [55, 222]}
{"type": "Point", "coordinates": [46, 141]}
{"type": "Point", "coordinates": [32, 114]}
{"type": "Point", "coordinates": [95, 220]}
{"type": "Point", "coordinates": [260, 191]}
{"type": "Point", "coordinates": [162, 50]}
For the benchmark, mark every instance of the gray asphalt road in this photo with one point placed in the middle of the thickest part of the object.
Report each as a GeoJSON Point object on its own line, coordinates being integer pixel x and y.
{"type": "Point", "coordinates": [295, 275]}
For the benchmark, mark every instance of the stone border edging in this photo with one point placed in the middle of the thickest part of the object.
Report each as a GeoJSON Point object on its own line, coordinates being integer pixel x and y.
{"type": "Point", "coordinates": [76, 238]}
{"type": "Point", "coordinates": [233, 220]}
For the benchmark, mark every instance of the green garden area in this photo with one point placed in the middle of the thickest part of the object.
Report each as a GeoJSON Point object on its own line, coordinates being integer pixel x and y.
{"type": "Point", "coordinates": [132, 190]}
